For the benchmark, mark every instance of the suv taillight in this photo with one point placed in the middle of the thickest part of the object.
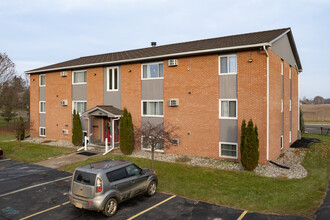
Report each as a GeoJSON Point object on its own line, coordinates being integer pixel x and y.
{"type": "Point", "coordinates": [98, 185]}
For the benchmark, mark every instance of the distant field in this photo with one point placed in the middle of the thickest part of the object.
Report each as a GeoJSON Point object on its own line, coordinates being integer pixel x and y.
{"type": "Point", "coordinates": [316, 112]}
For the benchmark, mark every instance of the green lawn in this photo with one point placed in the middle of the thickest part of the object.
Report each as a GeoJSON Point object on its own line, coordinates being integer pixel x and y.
{"type": "Point", "coordinates": [244, 190]}
{"type": "Point", "coordinates": [30, 152]}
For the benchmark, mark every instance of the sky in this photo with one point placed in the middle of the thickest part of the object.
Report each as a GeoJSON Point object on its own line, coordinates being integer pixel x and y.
{"type": "Point", "coordinates": [36, 33]}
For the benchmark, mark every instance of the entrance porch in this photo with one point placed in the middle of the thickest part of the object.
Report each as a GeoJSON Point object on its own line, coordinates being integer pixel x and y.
{"type": "Point", "coordinates": [102, 123]}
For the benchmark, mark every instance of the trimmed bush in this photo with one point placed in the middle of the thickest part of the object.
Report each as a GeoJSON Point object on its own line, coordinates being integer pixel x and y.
{"type": "Point", "coordinates": [126, 133]}
{"type": "Point", "coordinates": [249, 145]}
{"type": "Point", "coordinates": [77, 133]}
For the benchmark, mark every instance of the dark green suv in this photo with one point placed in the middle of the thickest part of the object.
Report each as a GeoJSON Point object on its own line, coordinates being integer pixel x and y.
{"type": "Point", "coordinates": [101, 186]}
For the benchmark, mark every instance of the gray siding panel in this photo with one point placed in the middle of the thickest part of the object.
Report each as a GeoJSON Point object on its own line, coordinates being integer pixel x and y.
{"type": "Point", "coordinates": [282, 48]}
{"type": "Point", "coordinates": [42, 93]}
{"type": "Point", "coordinates": [79, 92]}
{"type": "Point", "coordinates": [228, 86]}
{"type": "Point", "coordinates": [112, 97]}
{"type": "Point", "coordinates": [228, 130]}
{"type": "Point", "coordinates": [42, 120]}
{"type": "Point", "coordinates": [153, 89]}
{"type": "Point", "coordinates": [152, 120]}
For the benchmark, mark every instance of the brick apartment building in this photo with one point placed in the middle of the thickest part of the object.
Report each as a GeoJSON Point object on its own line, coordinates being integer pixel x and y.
{"type": "Point", "coordinates": [205, 87]}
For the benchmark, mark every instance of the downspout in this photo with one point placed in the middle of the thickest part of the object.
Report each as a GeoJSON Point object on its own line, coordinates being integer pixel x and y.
{"type": "Point", "coordinates": [265, 49]}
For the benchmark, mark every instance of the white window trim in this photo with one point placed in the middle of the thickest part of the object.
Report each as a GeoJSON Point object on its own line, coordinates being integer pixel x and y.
{"type": "Point", "coordinates": [151, 64]}
{"type": "Point", "coordinates": [289, 71]}
{"type": "Point", "coordinates": [78, 101]}
{"type": "Point", "coordinates": [40, 107]}
{"type": "Point", "coordinates": [230, 144]}
{"type": "Point", "coordinates": [219, 61]}
{"type": "Point", "coordinates": [221, 117]}
{"type": "Point", "coordinates": [40, 80]}
{"type": "Point", "coordinates": [282, 142]}
{"type": "Point", "coordinates": [83, 83]}
{"type": "Point", "coordinates": [290, 137]}
{"type": "Point", "coordinates": [40, 131]}
{"type": "Point", "coordinates": [149, 149]}
{"type": "Point", "coordinates": [108, 77]}
{"type": "Point", "coordinates": [282, 106]}
{"type": "Point", "coordinates": [290, 105]}
{"type": "Point", "coordinates": [157, 116]}
{"type": "Point", "coordinates": [282, 68]}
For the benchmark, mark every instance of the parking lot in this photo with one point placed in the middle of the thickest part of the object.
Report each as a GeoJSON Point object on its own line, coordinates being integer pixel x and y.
{"type": "Point", "coordinates": [29, 191]}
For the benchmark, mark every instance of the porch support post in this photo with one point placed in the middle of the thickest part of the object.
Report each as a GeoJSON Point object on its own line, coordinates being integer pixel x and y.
{"type": "Point", "coordinates": [112, 133]}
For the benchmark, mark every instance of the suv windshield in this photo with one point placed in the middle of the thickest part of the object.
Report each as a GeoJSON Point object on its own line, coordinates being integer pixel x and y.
{"type": "Point", "coordinates": [85, 178]}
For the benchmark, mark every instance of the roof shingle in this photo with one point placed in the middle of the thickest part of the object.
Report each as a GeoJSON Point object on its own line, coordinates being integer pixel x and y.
{"type": "Point", "coordinates": [171, 49]}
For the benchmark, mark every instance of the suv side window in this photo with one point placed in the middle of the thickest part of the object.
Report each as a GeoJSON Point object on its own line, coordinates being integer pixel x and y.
{"type": "Point", "coordinates": [133, 170]}
{"type": "Point", "coordinates": [117, 174]}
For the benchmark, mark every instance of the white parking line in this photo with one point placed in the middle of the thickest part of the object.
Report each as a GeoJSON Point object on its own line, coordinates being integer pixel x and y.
{"type": "Point", "coordinates": [30, 187]}
{"type": "Point", "coordinates": [4, 160]}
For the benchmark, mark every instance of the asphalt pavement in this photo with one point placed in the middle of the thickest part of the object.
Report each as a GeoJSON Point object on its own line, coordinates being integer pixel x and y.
{"type": "Point", "coordinates": [317, 129]}
{"type": "Point", "coordinates": [29, 191]}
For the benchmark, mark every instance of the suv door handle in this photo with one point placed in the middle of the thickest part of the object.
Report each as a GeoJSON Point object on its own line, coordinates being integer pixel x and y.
{"type": "Point", "coordinates": [132, 181]}
{"type": "Point", "coordinates": [115, 186]}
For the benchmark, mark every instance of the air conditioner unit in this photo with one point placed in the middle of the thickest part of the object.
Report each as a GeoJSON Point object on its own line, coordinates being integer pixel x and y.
{"type": "Point", "coordinates": [173, 102]}
{"type": "Point", "coordinates": [64, 73]}
{"type": "Point", "coordinates": [65, 131]}
{"type": "Point", "coordinates": [175, 141]}
{"type": "Point", "coordinates": [173, 62]}
{"type": "Point", "coordinates": [64, 102]}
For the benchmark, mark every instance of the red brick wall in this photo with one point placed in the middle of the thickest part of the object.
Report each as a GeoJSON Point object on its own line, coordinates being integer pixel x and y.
{"type": "Point", "coordinates": [34, 105]}
{"type": "Point", "coordinates": [252, 95]}
{"type": "Point", "coordinates": [57, 116]}
{"type": "Point", "coordinates": [131, 91]}
{"type": "Point", "coordinates": [197, 112]}
{"type": "Point", "coordinates": [95, 87]}
{"type": "Point", "coordinates": [295, 104]}
{"type": "Point", "coordinates": [275, 105]}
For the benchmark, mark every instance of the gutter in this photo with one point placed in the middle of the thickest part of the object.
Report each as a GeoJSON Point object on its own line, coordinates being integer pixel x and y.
{"type": "Point", "coordinates": [152, 57]}
{"type": "Point", "coordinates": [265, 49]}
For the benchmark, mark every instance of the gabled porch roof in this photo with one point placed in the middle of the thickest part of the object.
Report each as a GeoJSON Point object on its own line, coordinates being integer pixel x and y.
{"type": "Point", "coordinates": [103, 110]}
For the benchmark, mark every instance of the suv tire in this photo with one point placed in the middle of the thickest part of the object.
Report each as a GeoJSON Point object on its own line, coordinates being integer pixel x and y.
{"type": "Point", "coordinates": [110, 207]}
{"type": "Point", "coordinates": [152, 188]}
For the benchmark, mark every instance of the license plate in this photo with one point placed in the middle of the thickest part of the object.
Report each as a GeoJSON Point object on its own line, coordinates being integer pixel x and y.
{"type": "Point", "coordinates": [78, 205]}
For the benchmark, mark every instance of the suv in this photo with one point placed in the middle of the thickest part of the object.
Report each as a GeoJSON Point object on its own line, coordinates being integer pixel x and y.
{"type": "Point", "coordinates": [102, 185]}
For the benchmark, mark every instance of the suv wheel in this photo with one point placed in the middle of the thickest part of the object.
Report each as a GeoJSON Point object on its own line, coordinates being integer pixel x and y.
{"type": "Point", "coordinates": [110, 207]}
{"type": "Point", "coordinates": [152, 188]}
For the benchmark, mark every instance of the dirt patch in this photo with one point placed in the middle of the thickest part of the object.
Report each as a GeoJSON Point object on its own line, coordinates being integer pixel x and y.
{"type": "Point", "coordinates": [316, 112]}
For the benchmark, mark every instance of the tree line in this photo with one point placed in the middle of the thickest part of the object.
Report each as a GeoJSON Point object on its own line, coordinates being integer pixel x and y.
{"type": "Point", "coordinates": [14, 90]}
{"type": "Point", "coordinates": [318, 100]}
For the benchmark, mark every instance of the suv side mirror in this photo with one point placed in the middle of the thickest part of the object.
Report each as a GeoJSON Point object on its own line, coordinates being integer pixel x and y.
{"type": "Point", "coordinates": [142, 172]}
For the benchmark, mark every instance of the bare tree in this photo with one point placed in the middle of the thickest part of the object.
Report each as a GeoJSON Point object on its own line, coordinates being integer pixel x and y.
{"type": "Point", "coordinates": [155, 137]}
{"type": "Point", "coordinates": [7, 68]}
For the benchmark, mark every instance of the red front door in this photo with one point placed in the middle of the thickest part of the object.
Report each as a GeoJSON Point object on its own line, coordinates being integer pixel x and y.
{"type": "Point", "coordinates": [107, 129]}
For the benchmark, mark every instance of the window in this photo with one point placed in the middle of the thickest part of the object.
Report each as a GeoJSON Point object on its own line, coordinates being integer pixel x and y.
{"type": "Point", "coordinates": [85, 178]}
{"type": "Point", "coordinates": [228, 64]}
{"type": "Point", "coordinates": [79, 106]}
{"type": "Point", "coordinates": [117, 174]}
{"type": "Point", "coordinates": [152, 71]}
{"type": "Point", "coordinates": [228, 150]}
{"type": "Point", "coordinates": [282, 142]}
{"type": "Point", "coordinates": [228, 109]}
{"type": "Point", "coordinates": [146, 146]}
{"type": "Point", "coordinates": [42, 107]}
{"type": "Point", "coordinates": [42, 131]}
{"type": "Point", "coordinates": [133, 170]}
{"type": "Point", "coordinates": [112, 83]}
{"type": "Point", "coordinates": [42, 80]}
{"type": "Point", "coordinates": [153, 108]}
{"type": "Point", "coordinates": [79, 77]}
